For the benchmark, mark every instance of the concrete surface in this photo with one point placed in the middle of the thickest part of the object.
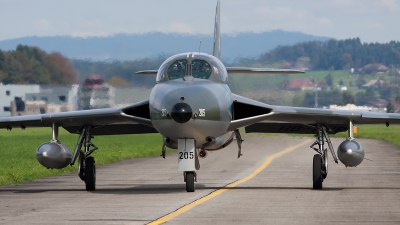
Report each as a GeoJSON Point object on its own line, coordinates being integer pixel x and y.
{"type": "Point", "coordinates": [139, 191]}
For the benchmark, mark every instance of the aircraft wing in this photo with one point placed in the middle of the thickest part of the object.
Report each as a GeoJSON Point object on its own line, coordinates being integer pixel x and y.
{"type": "Point", "coordinates": [147, 72]}
{"type": "Point", "coordinates": [239, 70]}
{"type": "Point", "coordinates": [133, 119]}
{"type": "Point", "coordinates": [263, 118]}
{"type": "Point", "coordinates": [247, 70]}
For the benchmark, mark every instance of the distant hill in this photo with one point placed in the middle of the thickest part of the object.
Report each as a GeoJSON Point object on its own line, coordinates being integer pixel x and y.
{"type": "Point", "coordinates": [136, 46]}
{"type": "Point", "coordinates": [336, 54]}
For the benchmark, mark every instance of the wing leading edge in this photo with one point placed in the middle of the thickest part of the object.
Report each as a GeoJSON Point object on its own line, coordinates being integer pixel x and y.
{"type": "Point", "coordinates": [286, 119]}
{"type": "Point", "coordinates": [133, 119]}
{"type": "Point", "coordinates": [247, 70]}
{"type": "Point", "coordinates": [239, 70]}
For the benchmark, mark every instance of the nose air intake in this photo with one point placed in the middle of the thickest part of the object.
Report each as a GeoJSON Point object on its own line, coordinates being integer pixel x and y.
{"type": "Point", "coordinates": [181, 112]}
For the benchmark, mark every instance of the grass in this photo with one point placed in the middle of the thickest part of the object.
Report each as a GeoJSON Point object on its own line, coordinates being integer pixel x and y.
{"type": "Point", "coordinates": [389, 134]}
{"type": "Point", "coordinates": [18, 151]}
{"type": "Point", "coordinates": [381, 132]}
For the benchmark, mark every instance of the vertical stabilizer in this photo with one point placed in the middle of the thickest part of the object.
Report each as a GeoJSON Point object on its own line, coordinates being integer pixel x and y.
{"type": "Point", "coordinates": [217, 35]}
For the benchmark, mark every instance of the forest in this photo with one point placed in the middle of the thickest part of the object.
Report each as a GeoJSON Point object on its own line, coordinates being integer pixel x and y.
{"type": "Point", "coordinates": [332, 54]}
{"type": "Point", "coordinates": [30, 65]}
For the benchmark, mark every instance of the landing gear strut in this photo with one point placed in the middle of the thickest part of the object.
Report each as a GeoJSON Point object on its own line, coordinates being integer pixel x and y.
{"type": "Point", "coordinates": [239, 141]}
{"type": "Point", "coordinates": [320, 160]}
{"type": "Point", "coordinates": [188, 162]}
{"type": "Point", "coordinates": [86, 164]}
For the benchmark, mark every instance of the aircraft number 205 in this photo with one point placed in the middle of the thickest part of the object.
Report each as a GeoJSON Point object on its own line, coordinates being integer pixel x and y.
{"type": "Point", "coordinates": [186, 155]}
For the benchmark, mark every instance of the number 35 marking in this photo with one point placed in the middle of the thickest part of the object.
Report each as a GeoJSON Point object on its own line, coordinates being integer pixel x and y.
{"type": "Point", "coordinates": [186, 155]}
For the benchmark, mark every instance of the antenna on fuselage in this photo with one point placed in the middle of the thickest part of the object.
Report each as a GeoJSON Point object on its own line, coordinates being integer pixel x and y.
{"type": "Point", "coordinates": [199, 47]}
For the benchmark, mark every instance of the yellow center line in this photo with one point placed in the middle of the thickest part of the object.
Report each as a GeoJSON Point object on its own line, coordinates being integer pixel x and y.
{"type": "Point", "coordinates": [227, 187]}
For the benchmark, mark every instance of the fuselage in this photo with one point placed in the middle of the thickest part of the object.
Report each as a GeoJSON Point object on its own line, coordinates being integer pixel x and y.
{"type": "Point", "coordinates": [191, 100]}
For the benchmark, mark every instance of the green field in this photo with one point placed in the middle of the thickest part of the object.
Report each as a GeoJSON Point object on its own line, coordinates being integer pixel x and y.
{"type": "Point", "coordinates": [389, 134]}
{"type": "Point", "coordinates": [19, 162]}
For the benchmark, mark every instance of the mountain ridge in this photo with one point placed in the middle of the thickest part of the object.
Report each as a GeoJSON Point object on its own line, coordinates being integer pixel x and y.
{"type": "Point", "coordinates": [125, 46]}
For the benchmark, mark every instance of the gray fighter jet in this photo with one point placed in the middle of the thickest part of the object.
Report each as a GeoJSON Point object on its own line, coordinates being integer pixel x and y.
{"type": "Point", "coordinates": [192, 107]}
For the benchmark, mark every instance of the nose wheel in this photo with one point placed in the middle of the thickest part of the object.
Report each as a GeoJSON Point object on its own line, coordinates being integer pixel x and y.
{"type": "Point", "coordinates": [189, 179]}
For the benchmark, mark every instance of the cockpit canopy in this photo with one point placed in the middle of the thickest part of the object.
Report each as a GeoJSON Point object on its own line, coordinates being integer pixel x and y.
{"type": "Point", "coordinates": [201, 66]}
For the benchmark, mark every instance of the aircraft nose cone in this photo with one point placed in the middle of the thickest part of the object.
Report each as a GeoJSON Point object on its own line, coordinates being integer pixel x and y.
{"type": "Point", "coordinates": [181, 112]}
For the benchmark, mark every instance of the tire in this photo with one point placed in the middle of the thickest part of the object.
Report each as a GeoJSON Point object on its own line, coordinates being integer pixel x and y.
{"type": "Point", "coordinates": [190, 182]}
{"type": "Point", "coordinates": [90, 174]}
{"type": "Point", "coordinates": [317, 172]}
{"type": "Point", "coordinates": [81, 167]}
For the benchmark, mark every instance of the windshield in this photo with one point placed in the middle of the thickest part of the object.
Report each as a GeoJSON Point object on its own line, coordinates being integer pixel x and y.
{"type": "Point", "coordinates": [201, 69]}
{"type": "Point", "coordinates": [177, 69]}
{"type": "Point", "coordinates": [200, 66]}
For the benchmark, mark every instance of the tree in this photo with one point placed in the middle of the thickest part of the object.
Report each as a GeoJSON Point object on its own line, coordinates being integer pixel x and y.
{"type": "Point", "coordinates": [2, 60]}
{"type": "Point", "coordinates": [360, 81]}
{"type": "Point", "coordinates": [389, 108]}
{"type": "Point", "coordinates": [363, 98]}
{"type": "Point", "coordinates": [30, 65]}
{"type": "Point", "coordinates": [329, 80]}
{"type": "Point", "coordinates": [346, 61]}
{"type": "Point", "coordinates": [347, 98]}
{"type": "Point", "coordinates": [298, 99]}
{"type": "Point", "coordinates": [339, 54]}
{"type": "Point", "coordinates": [392, 71]}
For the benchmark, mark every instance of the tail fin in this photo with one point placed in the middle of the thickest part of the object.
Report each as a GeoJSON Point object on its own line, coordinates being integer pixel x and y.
{"type": "Point", "coordinates": [217, 35]}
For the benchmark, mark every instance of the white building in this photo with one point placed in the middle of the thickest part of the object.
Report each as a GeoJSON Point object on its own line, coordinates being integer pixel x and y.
{"type": "Point", "coordinates": [10, 91]}
{"type": "Point", "coordinates": [353, 107]}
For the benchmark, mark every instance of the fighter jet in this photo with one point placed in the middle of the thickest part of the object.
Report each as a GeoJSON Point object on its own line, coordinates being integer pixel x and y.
{"type": "Point", "coordinates": [194, 110]}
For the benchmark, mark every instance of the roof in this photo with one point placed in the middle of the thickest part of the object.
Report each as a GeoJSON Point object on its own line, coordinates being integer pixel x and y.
{"type": "Point", "coordinates": [296, 84]}
{"type": "Point", "coordinates": [373, 83]}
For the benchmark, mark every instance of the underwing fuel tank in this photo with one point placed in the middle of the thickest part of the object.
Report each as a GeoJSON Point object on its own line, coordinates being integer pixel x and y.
{"type": "Point", "coordinates": [53, 155]}
{"type": "Point", "coordinates": [350, 153]}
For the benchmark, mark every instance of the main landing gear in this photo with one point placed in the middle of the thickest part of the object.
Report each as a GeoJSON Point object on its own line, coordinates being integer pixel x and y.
{"type": "Point", "coordinates": [86, 164]}
{"type": "Point", "coordinates": [320, 160]}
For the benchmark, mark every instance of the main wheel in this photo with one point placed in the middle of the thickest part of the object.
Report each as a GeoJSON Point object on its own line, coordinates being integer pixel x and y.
{"type": "Point", "coordinates": [190, 182]}
{"type": "Point", "coordinates": [317, 172]}
{"type": "Point", "coordinates": [90, 174]}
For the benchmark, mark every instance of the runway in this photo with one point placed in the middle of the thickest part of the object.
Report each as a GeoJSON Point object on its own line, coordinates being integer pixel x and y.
{"type": "Point", "coordinates": [142, 191]}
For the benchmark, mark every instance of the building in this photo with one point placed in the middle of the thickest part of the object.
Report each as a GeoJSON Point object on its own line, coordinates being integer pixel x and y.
{"type": "Point", "coordinates": [300, 84]}
{"type": "Point", "coordinates": [373, 84]}
{"type": "Point", "coordinates": [342, 87]}
{"type": "Point", "coordinates": [13, 92]}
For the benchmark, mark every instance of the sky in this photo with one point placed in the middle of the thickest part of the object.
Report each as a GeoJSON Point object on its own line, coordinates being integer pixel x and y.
{"type": "Point", "coordinates": [370, 20]}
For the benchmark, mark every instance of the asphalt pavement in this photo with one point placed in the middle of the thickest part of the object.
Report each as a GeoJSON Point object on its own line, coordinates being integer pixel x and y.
{"type": "Point", "coordinates": [272, 187]}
